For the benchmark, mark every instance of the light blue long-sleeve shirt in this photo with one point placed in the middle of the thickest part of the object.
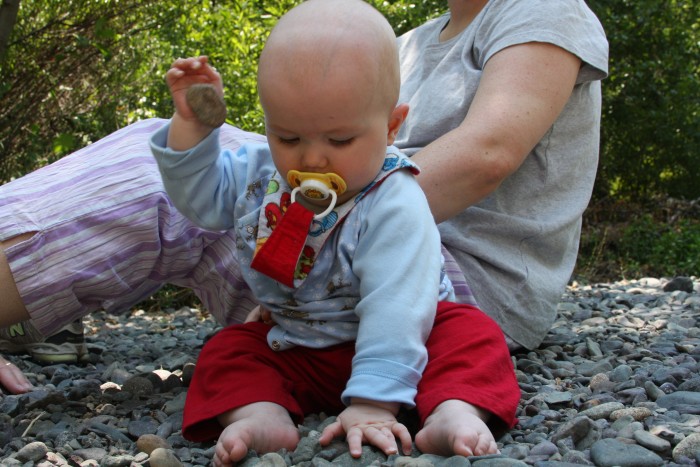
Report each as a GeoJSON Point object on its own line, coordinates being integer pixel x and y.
{"type": "Point", "coordinates": [376, 279]}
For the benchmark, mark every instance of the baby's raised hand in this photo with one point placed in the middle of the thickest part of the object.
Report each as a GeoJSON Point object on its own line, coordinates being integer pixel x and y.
{"type": "Point", "coordinates": [187, 73]}
{"type": "Point", "coordinates": [367, 422]}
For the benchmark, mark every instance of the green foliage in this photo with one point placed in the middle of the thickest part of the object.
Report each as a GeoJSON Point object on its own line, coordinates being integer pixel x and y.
{"type": "Point", "coordinates": [669, 249]}
{"type": "Point", "coordinates": [662, 241]}
{"type": "Point", "coordinates": [651, 117]}
{"type": "Point", "coordinates": [170, 297]}
{"type": "Point", "coordinates": [75, 71]}
{"type": "Point", "coordinates": [405, 15]}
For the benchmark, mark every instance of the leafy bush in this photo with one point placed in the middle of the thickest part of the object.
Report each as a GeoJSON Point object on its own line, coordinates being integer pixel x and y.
{"type": "Point", "coordinates": [662, 241]}
{"type": "Point", "coordinates": [651, 117]}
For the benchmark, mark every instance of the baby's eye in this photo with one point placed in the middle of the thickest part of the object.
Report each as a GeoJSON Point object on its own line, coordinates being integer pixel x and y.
{"type": "Point", "coordinates": [288, 141]}
{"type": "Point", "coordinates": [342, 142]}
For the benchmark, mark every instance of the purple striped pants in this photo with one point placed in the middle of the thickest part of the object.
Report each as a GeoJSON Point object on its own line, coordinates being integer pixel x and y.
{"type": "Point", "coordinates": [106, 236]}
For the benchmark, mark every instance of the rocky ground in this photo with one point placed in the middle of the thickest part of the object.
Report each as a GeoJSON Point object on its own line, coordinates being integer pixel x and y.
{"type": "Point", "coordinates": [616, 383]}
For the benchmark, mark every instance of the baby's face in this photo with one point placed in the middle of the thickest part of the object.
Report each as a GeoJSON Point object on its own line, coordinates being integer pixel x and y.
{"type": "Point", "coordinates": [328, 127]}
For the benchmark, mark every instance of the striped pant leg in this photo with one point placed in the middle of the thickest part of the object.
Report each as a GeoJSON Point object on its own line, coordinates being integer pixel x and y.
{"type": "Point", "coordinates": [105, 235]}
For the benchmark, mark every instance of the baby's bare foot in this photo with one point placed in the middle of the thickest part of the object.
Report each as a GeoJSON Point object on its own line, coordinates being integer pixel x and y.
{"type": "Point", "coordinates": [456, 428]}
{"type": "Point", "coordinates": [262, 426]}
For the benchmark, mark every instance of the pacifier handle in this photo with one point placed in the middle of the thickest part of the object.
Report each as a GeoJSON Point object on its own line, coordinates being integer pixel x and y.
{"type": "Point", "coordinates": [328, 210]}
{"type": "Point", "coordinates": [317, 186]}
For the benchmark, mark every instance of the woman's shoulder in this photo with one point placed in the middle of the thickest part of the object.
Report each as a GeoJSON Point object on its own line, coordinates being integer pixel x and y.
{"type": "Point", "coordinates": [569, 24]}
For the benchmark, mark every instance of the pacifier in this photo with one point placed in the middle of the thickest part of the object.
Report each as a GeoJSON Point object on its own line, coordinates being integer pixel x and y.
{"type": "Point", "coordinates": [317, 187]}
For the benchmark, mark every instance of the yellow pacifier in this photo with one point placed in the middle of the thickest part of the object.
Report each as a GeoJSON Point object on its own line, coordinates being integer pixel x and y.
{"type": "Point", "coordinates": [317, 186]}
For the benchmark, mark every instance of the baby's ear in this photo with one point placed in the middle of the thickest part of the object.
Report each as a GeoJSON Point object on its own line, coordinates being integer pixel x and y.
{"type": "Point", "coordinates": [396, 119]}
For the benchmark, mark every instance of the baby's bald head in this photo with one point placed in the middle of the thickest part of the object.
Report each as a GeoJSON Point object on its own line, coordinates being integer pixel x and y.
{"type": "Point", "coordinates": [346, 44]}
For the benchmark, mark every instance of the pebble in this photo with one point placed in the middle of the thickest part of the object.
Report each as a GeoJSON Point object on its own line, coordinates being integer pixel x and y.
{"type": "Point", "coordinates": [688, 448]}
{"type": "Point", "coordinates": [650, 441]}
{"type": "Point", "coordinates": [604, 410]}
{"type": "Point", "coordinates": [32, 452]}
{"type": "Point", "coordinates": [611, 453]}
{"type": "Point", "coordinates": [161, 457]}
{"type": "Point", "coordinates": [637, 413]}
{"type": "Point", "coordinates": [615, 382]}
{"type": "Point", "coordinates": [209, 107]}
{"type": "Point", "coordinates": [149, 443]}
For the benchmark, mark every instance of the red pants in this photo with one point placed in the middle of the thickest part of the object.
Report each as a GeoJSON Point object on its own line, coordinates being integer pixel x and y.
{"type": "Point", "coordinates": [467, 360]}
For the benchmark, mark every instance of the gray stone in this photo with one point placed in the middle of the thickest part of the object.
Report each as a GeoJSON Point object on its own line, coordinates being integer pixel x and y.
{"type": "Point", "coordinates": [176, 405]}
{"type": "Point", "coordinates": [497, 462]}
{"type": "Point", "coordinates": [678, 399]}
{"type": "Point", "coordinates": [32, 452]}
{"type": "Point", "coordinates": [628, 431]}
{"type": "Point", "coordinates": [272, 459]}
{"type": "Point", "coordinates": [207, 105]}
{"type": "Point", "coordinates": [307, 448]}
{"type": "Point", "coordinates": [602, 411]}
{"type": "Point", "coordinates": [652, 390]}
{"type": "Point", "coordinates": [10, 405]}
{"type": "Point", "coordinates": [551, 463]}
{"type": "Point", "coordinates": [637, 413]}
{"type": "Point", "coordinates": [557, 397]}
{"type": "Point", "coordinates": [515, 451]}
{"type": "Point", "coordinates": [600, 382]}
{"type": "Point", "coordinates": [621, 373]}
{"type": "Point", "coordinates": [368, 456]}
{"type": "Point", "coordinates": [611, 453]}
{"type": "Point", "coordinates": [148, 443]}
{"type": "Point", "coordinates": [692, 385]}
{"type": "Point", "coordinates": [593, 348]}
{"type": "Point", "coordinates": [137, 428]}
{"type": "Point", "coordinates": [161, 457]}
{"type": "Point", "coordinates": [651, 441]}
{"type": "Point", "coordinates": [582, 431]}
{"type": "Point", "coordinates": [592, 368]}
{"type": "Point", "coordinates": [109, 431]}
{"type": "Point", "coordinates": [405, 461]}
{"type": "Point", "coordinates": [124, 460]}
{"type": "Point", "coordinates": [91, 453]}
{"type": "Point", "coordinates": [545, 448]}
{"type": "Point", "coordinates": [684, 284]}
{"type": "Point", "coordinates": [687, 448]}
{"type": "Point", "coordinates": [456, 461]}
{"type": "Point", "coordinates": [138, 386]}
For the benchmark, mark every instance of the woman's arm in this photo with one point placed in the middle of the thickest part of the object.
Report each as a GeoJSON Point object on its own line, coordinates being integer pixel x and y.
{"type": "Point", "coordinates": [523, 89]}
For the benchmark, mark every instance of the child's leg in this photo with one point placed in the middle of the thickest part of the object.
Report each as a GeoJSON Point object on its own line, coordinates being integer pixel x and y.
{"type": "Point", "coordinates": [468, 388]}
{"type": "Point", "coordinates": [239, 381]}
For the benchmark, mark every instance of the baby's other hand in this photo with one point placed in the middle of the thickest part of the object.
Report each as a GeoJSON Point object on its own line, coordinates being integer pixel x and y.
{"type": "Point", "coordinates": [259, 313]}
{"type": "Point", "coordinates": [367, 422]}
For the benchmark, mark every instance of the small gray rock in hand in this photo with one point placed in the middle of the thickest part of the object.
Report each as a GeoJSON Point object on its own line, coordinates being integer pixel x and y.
{"type": "Point", "coordinates": [207, 105]}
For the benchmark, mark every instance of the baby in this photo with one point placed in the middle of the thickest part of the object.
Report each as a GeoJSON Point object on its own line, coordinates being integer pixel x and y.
{"type": "Point", "coordinates": [337, 242]}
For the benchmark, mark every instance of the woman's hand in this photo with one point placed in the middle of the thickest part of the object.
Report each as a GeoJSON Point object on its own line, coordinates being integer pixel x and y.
{"type": "Point", "coordinates": [12, 379]}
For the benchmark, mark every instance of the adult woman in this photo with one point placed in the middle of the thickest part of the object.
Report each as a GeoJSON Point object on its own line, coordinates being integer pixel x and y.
{"type": "Point", "coordinates": [505, 107]}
